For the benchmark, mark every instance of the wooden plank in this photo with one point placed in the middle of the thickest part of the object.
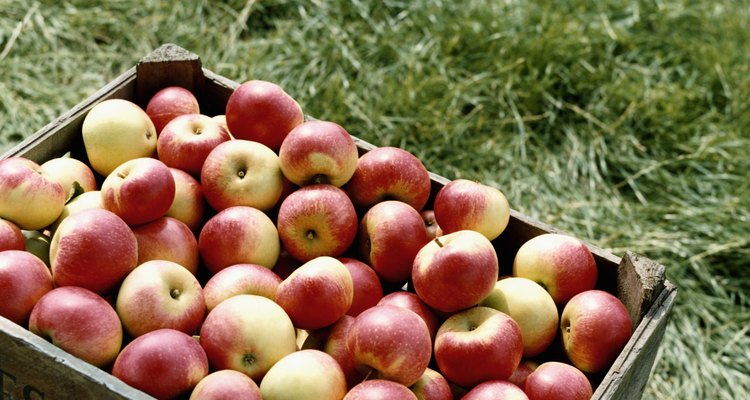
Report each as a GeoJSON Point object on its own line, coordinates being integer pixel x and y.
{"type": "Point", "coordinates": [169, 65]}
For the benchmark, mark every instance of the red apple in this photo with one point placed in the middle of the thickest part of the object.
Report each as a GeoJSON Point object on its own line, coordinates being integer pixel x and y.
{"type": "Point", "coordinates": [390, 342]}
{"type": "Point", "coordinates": [11, 236]}
{"type": "Point", "coordinates": [240, 279]}
{"type": "Point", "coordinates": [317, 220]}
{"type": "Point", "coordinates": [318, 152]}
{"type": "Point", "coordinates": [242, 173]}
{"type": "Point", "coordinates": [263, 112]}
{"type": "Point", "coordinates": [72, 174]}
{"type": "Point", "coordinates": [557, 381]}
{"type": "Point", "coordinates": [94, 249]}
{"type": "Point", "coordinates": [169, 103]}
{"type": "Point", "coordinates": [430, 224]}
{"type": "Point", "coordinates": [390, 235]}
{"type": "Point", "coordinates": [139, 191]}
{"type": "Point", "coordinates": [24, 279]}
{"type": "Point", "coordinates": [476, 345]}
{"type": "Point", "coordinates": [188, 205]}
{"type": "Point", "coordinates": [463, 204]}
{"type": "Point", "coordinates": [164, 363]}
{"type": "Point", "coordinates": [317, 293]}
{"type": "Point", "coordinates": [411, 301]}
{"type": "Point", "coordinates": [432, 386]}
{"type": "Point", "coordinates": [238, 235]}
{"type": "Point", "coordinates": [367, 287]}
{"type": "Point", "coordinates": [595, 326]}
{"type": "Point", "coordinates": [160, 294]}
{"type": "Point", "coordinates": [185, 141]}
{"type": "Point", "coordinates": [389, 173]}
{"type": "Point", "coordinates": [455, 271]}
{"type": "Point", "coordinates": [495, 389]}
{"type": "Point", "coordinates": [80, 322]}
{"type": "Point", "coordinates": [168, 239]}
{"type": "Point", "coordinates": [562, 264]}
{"type": "Point", "coordinates": [247, 333]}
{"type": "Point", "coordinates": [226, 384]}
{"type": "Point", "coordinates": [27, 197]}
{"type": "Point", "coordinates": [334, 344]}
{"type": "Point", "coordinates": [519, 376]}
{"type": "Point", "coordinates": [305, 374]}
{"type": "Point", "coordinates": [380, 389]}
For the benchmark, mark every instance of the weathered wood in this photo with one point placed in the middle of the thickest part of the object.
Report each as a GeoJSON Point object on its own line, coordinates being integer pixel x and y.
{"type": "Point", "coordinates": [639, 281]}
{"type": "Point", "coordinates": [169, 65]}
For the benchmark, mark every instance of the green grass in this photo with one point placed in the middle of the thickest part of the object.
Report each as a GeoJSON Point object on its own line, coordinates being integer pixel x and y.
{"type": "Point", "coordinates": [624, 124]}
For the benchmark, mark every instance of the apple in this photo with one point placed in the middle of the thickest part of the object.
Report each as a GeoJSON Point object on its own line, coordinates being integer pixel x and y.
{"type": "Point", "coordinates": [463, 204]}
{"type": "Point", "coordinates": [476, 345]}
{"type": "Point", "coordinates": [391, 233]}
{"type": "Point", "coordinates": [11, 236]}
{"type": "Point", "coordinates": [37, 243]}
{"type": "Point", "coordinates": [226, 384]}
{"type": "Point", "coordinates": [554, 380]}
{"type": "Point", "coordinates": [263, 112]}
{"type": "Point", "coordinates": [167, 238]}
{"type": "Point", "coordinates": [318, 152]}
{"type": "Point", "coordinates": [317, 293]}
{"type": "Point", "coordinates": [595, 326]}
{"type": "Point", "coordinates": [432, 385]}
{"type": "Point", "coordinates": [430, 224]}
{"type": "Point", "coordinates": [160, 294]}
{"type": "Point", "coordinates": [334, 344]}
{"type": "Point", "coordinates": [27, 197]}
{"type": "Point", "coordinates": [185, 141]}
{"type": "Point", "coordinates": [389, 173]}
{"type": "Point", "coordinates": [24, 279]}
{"type": "Point", "coordinates": [222, 120]}
{"type": "Point", "coordinates": [238, 235]}
{"type": "Point", "coordinates": [80, 322]}
{"type": "Point", "coordinates": [72, 174]}
{"type": "Point", "coordinates": [240, 279]}
{"type": "Point", "coordinates": [412, 302]}
{"type": "Point", "coordinates": [242, 173]}
{"type": "Point", "coordinates": [495, 389]}
{"type": "Point", "coordinates": [380, 389]}
{"type": "Point", "coordinates": [562, 264]}
{"type": "Point", "coordinates": [305, 374]}
{"type": "Point", "coordinates": [115, 131]}
{"type": "Point", "coordinates": [94, 249]}
{"type": "Point", "coordinates": [317, 220]}
{"type": "Point", "coordinates": [188, 205]}
{"type": "Point", "coordinates": [531, 307]}
{"type": "Point", "coordinates": [455, 271]}
{"type": "Point", "coordinates": [525, 368]}
{"type": "Point", "coordinates": [247, 333]}
{"type": "Point", "coordinates": [389, 342]}
{"type": "Point", "coordinates": [84, 201]}
{"type": "Point", "coordinates": [169, 103]}
{"type": "Point", "coordinates": [367, 287]}
{"type": "Point", "coordinates": [139, 190]}
{"type": "Point", "coordinates": [164, 363]}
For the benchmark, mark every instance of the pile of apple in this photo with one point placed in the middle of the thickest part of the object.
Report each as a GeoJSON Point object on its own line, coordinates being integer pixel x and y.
{"type": "Point", "coordinates": [259, 254]}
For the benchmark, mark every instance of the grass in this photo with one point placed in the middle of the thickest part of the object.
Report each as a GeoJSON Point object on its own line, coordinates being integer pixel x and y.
{"type": "Point", "coordinates": [624, 123]}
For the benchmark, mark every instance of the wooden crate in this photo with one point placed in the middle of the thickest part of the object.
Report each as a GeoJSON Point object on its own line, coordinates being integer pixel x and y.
{"type": "Point", "coordinates": [32, 368]}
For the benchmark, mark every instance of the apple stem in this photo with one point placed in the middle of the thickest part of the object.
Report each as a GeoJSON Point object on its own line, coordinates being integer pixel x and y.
{"type": "Point", "coordinates": [311, 234]}
{"type": "Point", "coordinates": [175, 293]}
{"type": "Point", "coordinates": [439, 243]}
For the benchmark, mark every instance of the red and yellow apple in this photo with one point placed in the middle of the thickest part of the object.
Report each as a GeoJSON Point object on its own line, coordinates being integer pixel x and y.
{"type": "Point", "coordinates": [139, 190]}
{"type": "Point", "coordinates": [72, 174]}
{"type": "Point", "coordinates": [24, 279]}
{"type": "Point", "coordinates": [188, 205]}
{"type": "Point", "coordinates": [11, 236]}
{"type": "Point", "coordinates": [186, 141]}
{"type": "Point", "coordinates": [367, 287]}
{"type": "Point", "coordinates": [412, 302]}
{"type": "Point", "coordinates": [169, 239]}
{"type": "Point", "coordinates": [432, 385]}
{"type": "Point", "coordinates": [226, 384]}
{"type": "Point", "coordinates": [380, 389]}
{"type": "Point", "coordinates": [27, 197]}
{"type": "Point", "coordinates": [304, 374]}
{"type": "Point", "coordinates": [495, 389]}
{"type": "Point", "coordinates": [554, 380]}
{"type": "Point", "coordinates": [240, 279]}
{"type": "Point", "coordinates": [463, 204]}
{"type": "Point", "coordinates": [169, 103]}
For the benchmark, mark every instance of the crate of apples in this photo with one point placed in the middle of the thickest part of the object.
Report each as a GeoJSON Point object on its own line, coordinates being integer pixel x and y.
{"type": "Point", "coordinates": [201, 238]}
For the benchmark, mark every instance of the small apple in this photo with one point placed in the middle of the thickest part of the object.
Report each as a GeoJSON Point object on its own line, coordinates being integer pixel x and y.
{"type": "Point", "coordinates": [169, 103]}
{"type": "Point", "coordinates": [432, 386]}
{"type": "Point", "coordinates": [11, 236]}
{"type": "Point", "coordinates": [476, 345]}
{"type": "Point", "coordinates": [27, 197]}
{"type": "Point", "coordinates": [595, 326]}
{"type": "Point", "coordinates": [263, 112]}
{"type": "Point", "coordinates": [380, 389]}
{"type": "Point", "coordinates": [240, 279]}
{"type": "Point", "coordinates": [318, 152]}
{"type": "Point", "coordinates": [317, 293]}
{"type": "Point", "coordinates": [389, 342]}
{"type": "Point", "coordinates": [139, 190]}
{"type": "Point", "coordinates": [317, 220]}
{"type": "Point", "coordinates": [389, 173]}
{"type": "Point", "coordinates": [305, 374]}
{"type": "Point", "coordinates": [24, 279]}
{"type": "Point", "coordinates": [80, 322]}
{"type": "Point", "coordinates": [164, 363]}
{"type": "Point", "coordinates": [495, 389]}
{"type": "Point", "coordinates": [430, 224]}
{"type": "Point", "coordinates": [367, 287]}
{"type": "Point", "coordinates": [531, 307]}
{"type": "Point", "coordinates": [72, 174]}
{"type": "Point", "coordinates": [84, 201]}
{"type": "Point", "coordinates": [115, 131]}
{"type": "Point", "coordinates": [238, 235]}
{"type": "Point", "coordinates": [411, 301]}
{"type": "Point", "coordinates": [188, 205]}
{"type": "Point", "coordinates": [562, 264]}
{"type": "Point", "coordinates": [463, 204]}
{"type": "Point", "coordinates": [94, 249]}
{"type": "Point", "coordinates": [226, 384]}
{"type": "Point", "coordinates": [247, 333]}
{"type": "Point", "coordinates": [167, 238]}
{"type": "Point", "coordinates": [185, 141]}
{"type": "Point", "coordinates": [242, 173]}
{"type": "Point", "coordinates": [554, 380]}
{"type": "Point", "coordinates": [455, 271]}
